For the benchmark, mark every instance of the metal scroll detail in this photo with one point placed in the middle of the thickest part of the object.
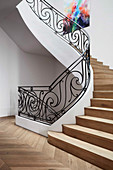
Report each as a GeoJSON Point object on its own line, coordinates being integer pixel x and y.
{"type": "Point", "coordinates": [78, 39]}
{"type": "Point", "coordinates": [48, 104]}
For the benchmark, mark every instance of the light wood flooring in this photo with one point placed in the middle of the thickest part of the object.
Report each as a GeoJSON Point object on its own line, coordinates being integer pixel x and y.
{"type": "Point", "coordinates": [21, 149]}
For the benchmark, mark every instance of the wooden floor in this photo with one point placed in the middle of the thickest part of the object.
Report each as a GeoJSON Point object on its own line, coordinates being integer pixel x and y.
{"type": "Point", "coordinates": [21, 149]}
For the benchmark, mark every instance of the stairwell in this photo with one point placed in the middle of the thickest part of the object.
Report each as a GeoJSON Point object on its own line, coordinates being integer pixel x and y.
{"type": "Point", "coordinates": [91, 138]}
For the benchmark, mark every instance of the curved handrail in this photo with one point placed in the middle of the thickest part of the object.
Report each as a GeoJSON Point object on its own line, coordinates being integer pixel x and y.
{"type": "Point", "coordinates": [48, 103]}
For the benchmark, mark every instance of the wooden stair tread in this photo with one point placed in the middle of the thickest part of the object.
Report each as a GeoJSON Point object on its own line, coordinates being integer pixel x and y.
{"type": "Point", "coordinates": [103, 87]}
{"type": "Point", "coordinates": [81, 144]}
{"type": "Point", "coordinates": [103, 74]}
{"type": "Point", "coordinates": [103, 82]}
{"type": "Point", "coordinates": [99, 111]}
{"type": "Point", "coordinates": [103, 79]}
{"type": "Point", "coordinates": [97, 119]}
{"type": "Point", "coordinates": [102, 99]}
{"type": "Point", "coordinates": [100, 108]}
{"type": "Point", "coordinates": [96, 62]}
{"type": "Point", "coordinates": [93, 59]}
{"type": "Point", "coordinates": [90, 131]}
{"type": "Point", "coordinates": [100, 67]}
{"type": "Point", "coordinates": [108, 78]}
{"type": "Point", "coordinates": [108, 69]}
{"type": "Point", "coordinates": [100, 71]}
{"type": "Point", "coordinates": [102, 102]}
{"type": "Point", "coordinates": [103, 94]}
{"type": "Point", "coordinates": [103, 91]}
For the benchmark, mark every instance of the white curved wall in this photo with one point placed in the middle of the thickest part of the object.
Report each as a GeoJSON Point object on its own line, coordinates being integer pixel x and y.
{"type": "Point", "coordinates": [101, 31]}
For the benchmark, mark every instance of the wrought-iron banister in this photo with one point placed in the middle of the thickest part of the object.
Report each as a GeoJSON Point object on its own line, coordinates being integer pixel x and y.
{"type": "Point", "coordinates": [47, 104]}
{"type": "Point", "coordinates": [54, 19]}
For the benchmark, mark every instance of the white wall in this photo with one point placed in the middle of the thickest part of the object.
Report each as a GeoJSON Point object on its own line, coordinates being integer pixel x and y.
{"type": "Point", "coordinates": [20, 68]}
{"type": "Point", "coordinates": [36, 70]}
{"type": "Point", "coordinates": [8, 75]}
{"type": "Point", "coordinates": [101, 30]}
{"type": "Point", "coordinates": [59, 4]}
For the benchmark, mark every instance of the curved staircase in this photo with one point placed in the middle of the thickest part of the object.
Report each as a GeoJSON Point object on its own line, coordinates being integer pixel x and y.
{"type": "Point", "coordinates": [43, 108]}
{"type": "Point", "coordinates": [91, 138]}
{"type": "Point", "coordinates": [46, 107]}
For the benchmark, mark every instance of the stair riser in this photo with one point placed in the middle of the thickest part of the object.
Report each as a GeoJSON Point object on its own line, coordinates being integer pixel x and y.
{"type": "Point", "coordinates": [82, 153]}
{"type": "Point", "coordinates": [103, 87]}
{"type": "Point", "coordinates": [108, 95]}
{"type": "Point", "coordinates": [100, 71]}
{"type": "Point", "coordinates": [103, 82]}
{"type": "Point", "coordinates": [93, 59]}
{"type": "Point", "coordinates": [99, 113]}
{"type": "Point", "coordinates": [102, 103]}
{"type": "Point", "coordinates": [100, 67]}
{"type": "Point", "coordinates": [103, 76]}
{"type": "Point", "coordinates": [96, 63]}
{"type": "Point", "coordinates": [105, 127]}
{"type": "Point", "coordinates": [90, 138]}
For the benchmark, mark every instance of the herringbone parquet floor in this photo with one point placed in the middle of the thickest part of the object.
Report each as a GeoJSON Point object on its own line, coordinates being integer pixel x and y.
{"type": "Point", "coordinates": [21, 149]}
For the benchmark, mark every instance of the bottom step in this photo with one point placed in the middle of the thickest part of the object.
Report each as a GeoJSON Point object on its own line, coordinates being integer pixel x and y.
{"type": "Point", "coordinates": [98, 156]}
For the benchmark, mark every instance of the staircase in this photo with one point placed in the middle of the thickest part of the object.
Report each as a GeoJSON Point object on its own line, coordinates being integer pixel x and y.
{"type": "Point", "coordinates": [91, 138]}
{"type": "Point", "coordinates": [46, 107]}
{"type": "Point", "coordinates": [43, 108]}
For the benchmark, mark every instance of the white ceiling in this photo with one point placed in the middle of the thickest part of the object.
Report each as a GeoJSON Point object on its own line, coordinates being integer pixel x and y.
{"type": "Point", "coordinates": [12, 23]}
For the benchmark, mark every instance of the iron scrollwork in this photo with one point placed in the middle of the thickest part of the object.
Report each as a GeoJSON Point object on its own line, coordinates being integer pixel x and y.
{"type": "Point", "coordinates": [78, 39]}
{"type": "Point", "coordinates": [48, 104]}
